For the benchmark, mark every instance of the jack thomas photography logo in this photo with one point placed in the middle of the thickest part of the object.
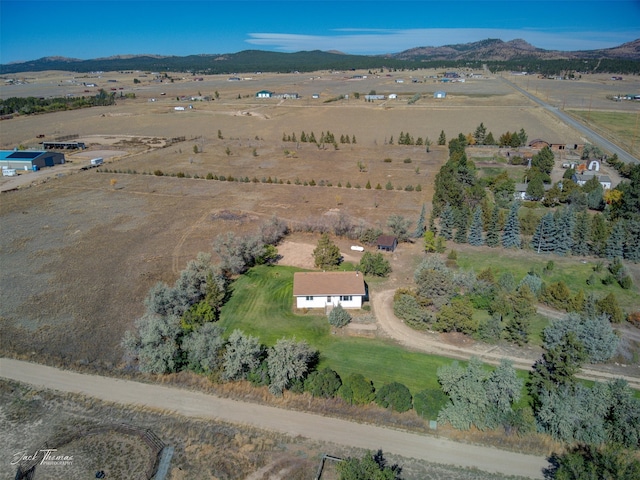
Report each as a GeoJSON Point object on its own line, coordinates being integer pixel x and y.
{"type": "Point", "coordinates": [44, 456]}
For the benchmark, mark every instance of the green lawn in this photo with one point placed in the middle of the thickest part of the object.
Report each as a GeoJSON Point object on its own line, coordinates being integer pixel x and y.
{"type": "Point", "coordinates": [261, 305]}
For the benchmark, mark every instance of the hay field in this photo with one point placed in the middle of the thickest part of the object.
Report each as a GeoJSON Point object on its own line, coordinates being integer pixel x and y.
{"type": "Point", "coordinates": [81, 248]}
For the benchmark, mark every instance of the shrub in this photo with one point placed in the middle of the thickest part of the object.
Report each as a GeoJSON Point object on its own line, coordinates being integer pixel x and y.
{"type": "Point", "coordinates": [407, 160]}
{"type": "Point", "coordinates": [158, 173]}
{"type": "Point", "coordinates": [395, 396]}
{"type": "Point", "coordinates": [339, 317]}
{"type": "Point", "coordinates": [626, 282]}
{"type": "Point", "coordinates": [387, 160]}
{"type": "Point", "coordinates": [428, 403]}
{"type": "Point", "coordinates": [357, 390]}
{"type": "Point", "coordinates": [323, 384]}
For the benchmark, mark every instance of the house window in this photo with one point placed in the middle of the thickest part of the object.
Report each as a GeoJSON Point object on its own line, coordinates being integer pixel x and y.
{"type": "Point", "coordinates": [346, 298]}
{"type": "Point", "coordinates": [309, 298]}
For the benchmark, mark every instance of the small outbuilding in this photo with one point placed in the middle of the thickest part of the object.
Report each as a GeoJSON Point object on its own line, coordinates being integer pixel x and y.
{"type": "Point", "coordinates": [388, 243]}
{"type": "Point", "coordinates": [328, 289]}
{"type": "Point", "coordinates": [440, 94]}
{"type": "Point", "coordinates": [264, 94]}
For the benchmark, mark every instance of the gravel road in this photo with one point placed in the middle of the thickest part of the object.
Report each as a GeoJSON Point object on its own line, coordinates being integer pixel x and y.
{"type": "Point", "coordinates": [341, 432]}
{"type": "Point", "coordinates": [429, 343]}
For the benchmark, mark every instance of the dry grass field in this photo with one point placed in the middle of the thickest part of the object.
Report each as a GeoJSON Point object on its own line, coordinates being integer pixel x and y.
{"type": "Point", "coordinates": [81, 248]}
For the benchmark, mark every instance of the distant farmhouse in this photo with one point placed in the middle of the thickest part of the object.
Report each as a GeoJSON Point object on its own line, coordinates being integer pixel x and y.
{"type": "Point", "coordinates": [328, 289]}
{"type": "Point", "coordinates": [270, 94]}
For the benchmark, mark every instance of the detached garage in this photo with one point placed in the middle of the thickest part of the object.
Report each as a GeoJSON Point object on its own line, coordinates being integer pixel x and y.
{"type": "Point", "coordinates": [29, 159]}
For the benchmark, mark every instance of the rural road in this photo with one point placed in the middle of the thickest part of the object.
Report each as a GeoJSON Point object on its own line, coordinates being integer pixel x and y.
{"type": "Point", "coordinates": [429, 343]}
{"type": "Point", "coordinates": [294, 423]}
{"type": "Point", "coordinates": [623, 155]}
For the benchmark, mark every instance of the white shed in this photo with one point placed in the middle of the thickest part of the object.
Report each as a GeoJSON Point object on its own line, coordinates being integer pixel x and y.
{"type": "Point", "coordinates": [440, 94]}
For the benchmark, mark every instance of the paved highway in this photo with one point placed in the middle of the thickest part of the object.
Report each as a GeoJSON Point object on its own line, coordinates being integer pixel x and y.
{"type": "Point", "coordinates": [595, 138]}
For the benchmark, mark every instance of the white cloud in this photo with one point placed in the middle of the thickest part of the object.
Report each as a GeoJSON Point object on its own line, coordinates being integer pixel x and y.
{"type": "Point", "coordinates": [377, 41]}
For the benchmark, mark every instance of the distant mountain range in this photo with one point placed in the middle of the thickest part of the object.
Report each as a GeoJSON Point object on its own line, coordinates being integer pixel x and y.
{"type": "Point", "coordinates": [495, 53]}
{"type": "Point", "coordinates": [498, 50]}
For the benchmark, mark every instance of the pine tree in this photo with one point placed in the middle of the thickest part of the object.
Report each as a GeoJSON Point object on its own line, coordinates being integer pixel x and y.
{"type": "Point", "coordinates": [463, 226]}
{"type": "Point", "coordinates": [475, 234]}
{"type": "Point", "coordinates": [522, 137]}
{"type": "Point", "coordinates": [565, 221]}
{"type": "Point", "coordinates": [615, 242]}
{"type": "Point", "coordinates": [447, 222]}
{"type": "Point", "coordinates": [543, 240]}
{"type": "Point", "coordinates": [489, 140]}
{"type": "Point", "coordinates": [480, 134]}
{"type": "Point", "coordinates": [632, 244]}
{"type": "Point", "coordinates": [442, 139]}
{"type": "Point", "coordinates": [420, 227]}
{"type": "Point", "coordinates": [511, 234]}
{"type": "Point", "coordinates": [581, 235]}
{"type": "Point", "coordinates": [493, 231]}
{"type": "Point", "coordinates": [598, 236]}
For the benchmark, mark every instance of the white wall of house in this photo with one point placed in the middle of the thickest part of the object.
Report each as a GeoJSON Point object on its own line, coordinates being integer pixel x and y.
{"type": "Point", "coordinates": [321, 301]}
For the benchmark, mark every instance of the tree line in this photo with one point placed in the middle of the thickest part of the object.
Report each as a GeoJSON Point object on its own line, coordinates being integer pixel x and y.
{"type": "Point", "coordinates": [33, 105]}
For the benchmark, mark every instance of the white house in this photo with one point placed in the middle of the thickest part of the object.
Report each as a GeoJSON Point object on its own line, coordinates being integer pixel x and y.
{"type": "Point", "coordinates": [322, 289]}
{"type": "Point", "coordinates": [582, 178]}
{"type": "Point", "coordinates": [440, 94]}
{"type": "Point", "coordinates": [264, 94]}
{"type": "Point", "coordinates": [393, 96]}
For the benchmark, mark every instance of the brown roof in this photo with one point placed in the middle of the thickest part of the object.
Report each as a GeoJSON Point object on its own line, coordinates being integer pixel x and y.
{"type": "Point", "coordinates": [386, 240]}
{"type": "Point", "coordinates": [328, 283]}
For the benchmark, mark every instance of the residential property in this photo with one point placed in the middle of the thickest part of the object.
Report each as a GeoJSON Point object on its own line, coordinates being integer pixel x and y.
{"type": "Point", "coordinates": [388, 243]}
{"type": "Point", "coordinates": [440, 94]}
{"type": "Point", "coordinates": [264, 94]}
{"type": "Point", "coordinates": [285, 95]}
{"type": "Point", "coordinates": [582, 178]}
{"type": "Point", "coordinates": [393, 96]}
{"type": "Point", "coordinates": [520, 192]}
{"type": "Point", "coordinates": [29, 159]}
{"type": "Point", "coordinates": [328, 289]}
{"type": "Point", "coordinates": [374, 97]}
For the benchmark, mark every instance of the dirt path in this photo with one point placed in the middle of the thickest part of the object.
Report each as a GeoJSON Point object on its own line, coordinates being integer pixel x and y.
{"type": "Point", "coordinates": [429, 342]}
{"type": "Point", "coordinates": [341, 432]}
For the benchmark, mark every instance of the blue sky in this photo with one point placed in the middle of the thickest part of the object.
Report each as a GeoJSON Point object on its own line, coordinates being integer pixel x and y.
{"type": "Point", "coordinates": [89, 29]}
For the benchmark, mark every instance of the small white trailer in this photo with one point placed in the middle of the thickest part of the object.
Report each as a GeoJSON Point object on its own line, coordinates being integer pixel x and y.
{"type": "Point", "coordinates": [97, 161]}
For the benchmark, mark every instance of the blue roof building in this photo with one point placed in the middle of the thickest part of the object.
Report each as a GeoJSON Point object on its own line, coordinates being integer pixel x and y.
{"type": "Point", "coordinates": [28, 159]}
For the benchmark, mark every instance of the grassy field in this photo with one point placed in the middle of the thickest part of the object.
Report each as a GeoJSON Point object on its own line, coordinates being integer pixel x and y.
{"type": "Point", "coordinates": [622, 126]}
{"type": "Point", "coordinates": [261, 305]}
